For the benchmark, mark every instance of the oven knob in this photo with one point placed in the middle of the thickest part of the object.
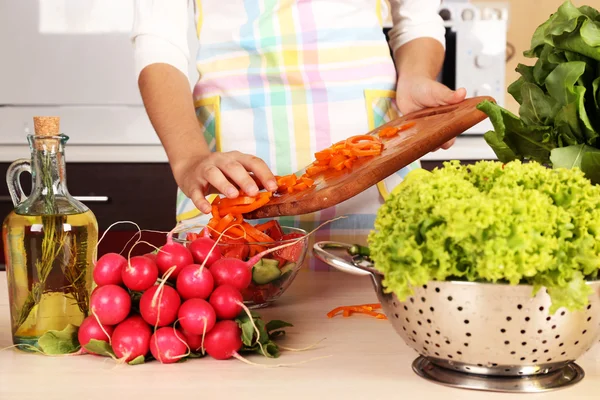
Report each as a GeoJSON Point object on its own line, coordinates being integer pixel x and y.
{"type": "Point", "coordinates": [468, 14]}
{"type": "Point", "coordinates": [445, 14]}
{"type": "Point", "coordinates": [483, 61]}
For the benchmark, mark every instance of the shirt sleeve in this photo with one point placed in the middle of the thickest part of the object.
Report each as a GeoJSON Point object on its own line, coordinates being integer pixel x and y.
{"type": "Point", "coordinates": [414, 19]}
{"type": "Point", "coordinates": [159, 34]}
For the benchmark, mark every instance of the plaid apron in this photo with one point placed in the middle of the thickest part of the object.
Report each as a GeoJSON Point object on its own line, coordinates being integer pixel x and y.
{"type": "Point", "coordinates": [282, 79]}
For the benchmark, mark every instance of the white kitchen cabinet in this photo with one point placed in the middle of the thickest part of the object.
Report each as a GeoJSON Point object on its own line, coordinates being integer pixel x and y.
{"type": "Point", "coordinates": [72, 58]}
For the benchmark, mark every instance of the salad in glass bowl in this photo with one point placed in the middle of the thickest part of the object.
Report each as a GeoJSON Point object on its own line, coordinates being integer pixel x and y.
{"type": "Point", "coordinates": [275, 271]}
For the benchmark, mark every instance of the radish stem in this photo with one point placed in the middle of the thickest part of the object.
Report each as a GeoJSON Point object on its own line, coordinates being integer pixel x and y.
{"type": "Point", "coordinates": [95, 253]}
{"type": "Point", "coordinates": [102, 327]}
{"type": "Point", "coordinates": [242, 359]}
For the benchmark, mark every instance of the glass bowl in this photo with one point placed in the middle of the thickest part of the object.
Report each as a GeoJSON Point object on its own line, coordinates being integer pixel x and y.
{"type": "Point", "coordinates": [272, 275]}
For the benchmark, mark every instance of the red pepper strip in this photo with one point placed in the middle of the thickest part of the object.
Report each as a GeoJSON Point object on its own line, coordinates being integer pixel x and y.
{"type": "Point", "coordinates": [363, 309]}
{"type": "Point", "coordinates": [388, 131]}
{"type": "Point", "coordinates": [224, 223]}
{"type": "Point", "coordinates": [262, 199]}
{"type": "Point", "coordinates": [361, 139]}
{"type": "Point", "coordinates": [215, 212]}
{"type": "Point", "coordinates": [266, 225]}
{"type": "Point", "coordinates": [309, 182]}
{"type": "Point", "coordinates": [212, 226]}
{"type": "Point", "coordinates": [317, 169]}
{"type": "Point", "coordinates": [297, 188]}
{"type": "Point", "coordinates": [366, 152]}
{"type": "Point", "coordinates": [407, 126]}
{"type": "Point", "coordinates": [337, 160]}
{"type": "Point", "coordinates": [259, 236]}
{"type": "Point", "coordinates": [339, 166]}
{"type": "Point", "coordinates": [238, 201]}
{"type": "Point", "coordinates": [190, 237]}
{"type": "Point", "coordinates": [323, 155]}
{"type": "Point", "coordinates": [287, 180]}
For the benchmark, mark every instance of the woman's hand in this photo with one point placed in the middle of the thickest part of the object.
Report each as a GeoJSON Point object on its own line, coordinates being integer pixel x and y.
{"type": "Point", "coordinates": [416, 92]}
{"type": "Point", "coordinates": [221, 172]}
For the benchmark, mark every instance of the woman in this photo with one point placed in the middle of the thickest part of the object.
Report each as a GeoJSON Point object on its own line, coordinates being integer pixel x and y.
{"type": "Point", "coordinates": [280, 80]}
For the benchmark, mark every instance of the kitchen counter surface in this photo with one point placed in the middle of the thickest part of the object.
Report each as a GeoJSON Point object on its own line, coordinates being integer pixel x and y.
{"type": "Point", "coordinates": [467, 147]}
{"type": "Point", "coordinates": [367, 361]}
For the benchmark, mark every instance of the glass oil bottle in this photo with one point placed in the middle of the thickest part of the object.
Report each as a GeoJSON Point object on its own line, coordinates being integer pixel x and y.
{"type": "Point", "coordinates": [49, 240]}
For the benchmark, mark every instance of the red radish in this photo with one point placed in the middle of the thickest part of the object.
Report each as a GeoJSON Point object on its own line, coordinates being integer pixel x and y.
{"type": "Point", "coordinates": [194, 341]}
{"type": "Point", "coordinates": [231, 271]}
{"type": "Point", "coordinates": [151, 256]}
{"type": "Point", "coordinates": [195, 282]}
{"type": "Point", "coordinates": [165, 300]}
{"type": "Point", "coordinates": [168, 345]}
{"type": "Point", "coordinates": [197, 316]}
{"type": "Point", "coordinates": [173, 255]}
{"type": "Point", "coordinates": [111, 304]}
{"type": "Point", "coordinates": [202, 249]}
{"type": "Point", "coordinates": [107, 270]}
{"type": "Point", "coordinates": [224, 340]}
{"type": "Point", "coordinates": [140, 273]}
{"type": "Point", "coordinates": [131, 338]}
{"type": "Point", "coordinates": [227, 302]}
{"type": "Point", "coordinates": [237, 273]}
{"type": "Point", "coordinates": [91, 329]}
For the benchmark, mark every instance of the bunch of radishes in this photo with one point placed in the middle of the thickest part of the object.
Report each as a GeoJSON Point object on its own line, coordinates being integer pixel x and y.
{"type": "Point", "coordinates": [189, 298]}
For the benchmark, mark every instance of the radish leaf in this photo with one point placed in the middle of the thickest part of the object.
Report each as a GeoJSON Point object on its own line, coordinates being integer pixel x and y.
{"type": "Point", "coordinates": [60, 342]}
{"type": "Point", "coordinates": [100, 347]}
{"type": "Point", "coordinates": [137, 360]}
{"type": "Point", "coordinates": [276, 324]}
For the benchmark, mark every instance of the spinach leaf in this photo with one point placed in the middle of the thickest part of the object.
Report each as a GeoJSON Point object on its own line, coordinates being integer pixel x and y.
{"type": "Point", "coordinates": [559, 96]}
{"type": "Point", "coordinates": [537, 108]}
{"type": "Point", "coordinates": [527, 142]}
{"type": "Point", "coordinates": [590, 165]}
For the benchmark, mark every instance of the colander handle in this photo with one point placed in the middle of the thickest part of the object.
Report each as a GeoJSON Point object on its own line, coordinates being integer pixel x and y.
{"type": "Point", "coordinates": [338, 262]}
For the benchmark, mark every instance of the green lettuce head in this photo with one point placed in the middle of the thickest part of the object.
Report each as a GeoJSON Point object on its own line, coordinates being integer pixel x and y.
{"type": "Point", "coordinates": [490, 222]}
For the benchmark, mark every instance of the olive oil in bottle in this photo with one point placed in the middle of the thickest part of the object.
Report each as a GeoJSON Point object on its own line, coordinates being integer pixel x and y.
{"type": "Point", "coordinates": [50, 239]}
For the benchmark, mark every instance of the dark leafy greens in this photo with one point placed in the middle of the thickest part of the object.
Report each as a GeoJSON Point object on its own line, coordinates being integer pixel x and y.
{"type": "Point", "coordinates": [559, 97]}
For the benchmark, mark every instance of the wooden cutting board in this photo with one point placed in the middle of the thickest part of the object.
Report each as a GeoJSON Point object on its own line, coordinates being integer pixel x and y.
{"type": "Point", "coordinates": [433, 127]}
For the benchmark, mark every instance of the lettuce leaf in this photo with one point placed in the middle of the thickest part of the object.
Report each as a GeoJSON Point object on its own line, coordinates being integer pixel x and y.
{"type": "Point", "coordinates": [517, 223]}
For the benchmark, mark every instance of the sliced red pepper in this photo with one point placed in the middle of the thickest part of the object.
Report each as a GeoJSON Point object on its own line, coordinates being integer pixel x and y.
{"type": "Point", "coordinates": [238, 201]}
{"type": "Point", "coordinates": [315, 170]}
{"type": "Point", "coordinates": [224, 223]}
{"type": "Point", "coordinates": [262, 199]}
{"type": "Point", "coordinates": [258, 236]}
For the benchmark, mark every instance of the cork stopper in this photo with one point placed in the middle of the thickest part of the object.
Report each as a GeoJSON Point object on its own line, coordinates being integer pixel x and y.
{"type": "Point", "coordinates": [46, 126]}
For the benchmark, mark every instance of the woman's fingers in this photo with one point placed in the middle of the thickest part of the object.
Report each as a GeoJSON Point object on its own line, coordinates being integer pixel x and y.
{"type": "Point", "coordinates": [260, 170]}
{"type": "Point", "coordinates": [215, 177]}
{"type": "Point", "coordinates": [200, 201]}
{"type": "Point", "coordinates": [240, 176]}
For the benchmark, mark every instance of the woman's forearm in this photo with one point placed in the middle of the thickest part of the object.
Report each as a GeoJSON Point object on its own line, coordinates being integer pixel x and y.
{"type": "Point", "coordinates": [168, 100]}
{"type": "Point", "coordinates": [419, 57]}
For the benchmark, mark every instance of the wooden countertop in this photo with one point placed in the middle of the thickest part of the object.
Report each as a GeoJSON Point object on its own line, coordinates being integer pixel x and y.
{"type": "Point", "coordinates": [368, 361]}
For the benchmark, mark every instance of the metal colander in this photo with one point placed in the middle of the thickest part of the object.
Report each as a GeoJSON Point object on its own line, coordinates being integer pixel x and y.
{"type": "Point", "coordinates": [480, 328]}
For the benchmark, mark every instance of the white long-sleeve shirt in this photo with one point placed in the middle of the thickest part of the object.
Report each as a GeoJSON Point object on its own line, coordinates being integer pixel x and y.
{"type": "Point", "coordinates": [160, 29]}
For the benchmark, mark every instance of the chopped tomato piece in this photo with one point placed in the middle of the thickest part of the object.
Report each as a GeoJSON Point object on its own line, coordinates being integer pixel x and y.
{"type": "Point", "coordinates": [293, 252]}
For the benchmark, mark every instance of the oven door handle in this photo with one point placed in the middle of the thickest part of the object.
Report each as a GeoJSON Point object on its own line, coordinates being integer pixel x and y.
{"type": "Point", "coordinates": [83, 199]}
